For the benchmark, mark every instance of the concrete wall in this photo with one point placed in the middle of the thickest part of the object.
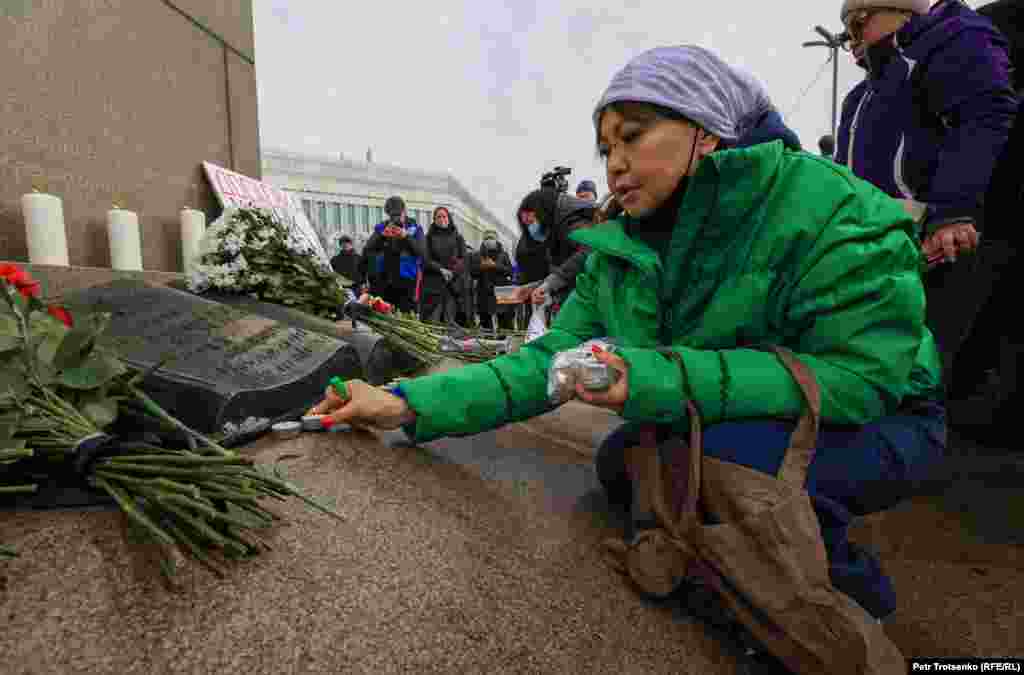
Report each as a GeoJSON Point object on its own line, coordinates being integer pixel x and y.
{"type": "Point", "coordinates": [122, 100]}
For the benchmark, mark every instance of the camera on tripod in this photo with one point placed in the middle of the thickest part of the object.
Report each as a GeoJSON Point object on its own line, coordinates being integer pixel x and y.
{"type": "Point", "coordinates": [556, 179]}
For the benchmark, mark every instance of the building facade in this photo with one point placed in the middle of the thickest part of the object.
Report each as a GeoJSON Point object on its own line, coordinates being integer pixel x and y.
{"type": "Point", "coordinates": [346, 197]}
{"type": "Point", "coordinates": [122, 101]}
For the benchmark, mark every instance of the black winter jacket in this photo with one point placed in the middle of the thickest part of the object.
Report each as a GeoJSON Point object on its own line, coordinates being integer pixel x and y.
{"type": "Point", "coordinates": [350, 266]}
{"type": "Point", "coordinates": [487, 279]}
{"type": "Point", "coordinates": [560, 214]}
{"type": "Point", "coordinates": [444, 248]}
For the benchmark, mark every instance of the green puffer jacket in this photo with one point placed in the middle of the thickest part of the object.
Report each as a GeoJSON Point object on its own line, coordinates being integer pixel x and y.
{"type": "Point", "coordinates": [771, 246]}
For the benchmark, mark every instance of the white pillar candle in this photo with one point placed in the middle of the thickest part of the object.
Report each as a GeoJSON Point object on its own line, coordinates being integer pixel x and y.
{"type": "Point", "coordinates": [44, 229]}
{"type": "Point", "coordinates": [125, 240]}
{"type": "Point", "coordinates": [193, 225]}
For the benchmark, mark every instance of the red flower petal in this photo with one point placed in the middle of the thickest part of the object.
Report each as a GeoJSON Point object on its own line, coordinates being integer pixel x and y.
{"type": "Point", "coordinates": [29, 289]}
{"type": "Point", "coordinates": [60, 314]}
{"type": "Point", "coordinates": [20, 279]}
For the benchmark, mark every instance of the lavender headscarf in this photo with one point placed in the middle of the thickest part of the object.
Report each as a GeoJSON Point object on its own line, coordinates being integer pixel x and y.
{"type": "Point", "coordinates": [694, 82]}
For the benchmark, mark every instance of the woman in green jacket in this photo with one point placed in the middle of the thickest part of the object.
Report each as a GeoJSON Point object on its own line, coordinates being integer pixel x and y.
{"type": "Point", "coordinates": [723, 248]}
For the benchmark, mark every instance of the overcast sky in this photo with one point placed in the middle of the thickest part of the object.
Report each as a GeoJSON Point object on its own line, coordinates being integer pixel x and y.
{"type": "Point", "coordinates": [497, 93]}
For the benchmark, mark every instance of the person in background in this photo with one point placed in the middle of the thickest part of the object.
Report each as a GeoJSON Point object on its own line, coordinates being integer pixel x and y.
{"type": "Point", "coordinates": [491, 267]}
{"type": "Point", "coordinates": [532, 257]}
{"type": "Point", "coordinates": [396, 248]}
{"type": "Point", "coordinates": [1008, 17]}
{"type": "Point", "coordinates": [547, 218]}
{"type": "Point", "coordinates": [987, 366]}
{"type": "Point", "coordinates": [465, 313]}
{"type": "Point", "coordinates": [827, 146]}
{"type": "Point", "coordinates": [444, 270]}
{"type": "Point", "coordinates": [348, 263]}
{"type": "Point", "coordinates": [925, 132]}
{"type": "Point", "coordinates": [587, 190]}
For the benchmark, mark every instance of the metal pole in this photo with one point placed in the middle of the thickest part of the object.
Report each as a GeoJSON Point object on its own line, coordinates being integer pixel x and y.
{"type": "Point", "coordinates": [833, 42]}
{"type": "Point", "coordinates": [835, 86]}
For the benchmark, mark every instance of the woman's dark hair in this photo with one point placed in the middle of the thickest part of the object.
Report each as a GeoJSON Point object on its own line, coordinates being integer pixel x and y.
{"type": "Point", "coordinates": [639, 111]}
{"type": "Point", "coordinates": [433, 217]}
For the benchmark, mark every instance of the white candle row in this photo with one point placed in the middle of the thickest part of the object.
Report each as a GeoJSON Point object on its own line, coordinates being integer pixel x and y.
{"type": "Point", "coordinates": [48, 243]}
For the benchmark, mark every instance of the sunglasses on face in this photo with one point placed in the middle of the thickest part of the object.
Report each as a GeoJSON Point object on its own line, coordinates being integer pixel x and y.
{"type": "Point", "coordinates": [856, 20]}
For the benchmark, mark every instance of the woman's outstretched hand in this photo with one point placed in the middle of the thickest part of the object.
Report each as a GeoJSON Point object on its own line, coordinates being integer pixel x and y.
{"type": "Point", "coordinates": [365, 406]}
{"type": "Point", "coordinates": [614, 397]}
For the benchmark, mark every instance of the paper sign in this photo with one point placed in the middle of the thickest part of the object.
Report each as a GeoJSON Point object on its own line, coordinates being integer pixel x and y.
{"type": "Point", "coordinates": [234, 189]}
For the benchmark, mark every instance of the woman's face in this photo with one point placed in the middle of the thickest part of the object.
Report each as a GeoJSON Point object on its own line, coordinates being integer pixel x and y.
{"type": "Point", "coordinates": [868, 26]}
{"type": "Point", "coordinates": [441, 218]}
{"type": "Point", "coordinates": [646, 155]}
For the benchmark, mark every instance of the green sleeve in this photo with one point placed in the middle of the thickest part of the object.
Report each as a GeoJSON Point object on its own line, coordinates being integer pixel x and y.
{"type": "Point", "coordinates": [855, 306]}
{"type": "Point", "coordinates": [479, 397]}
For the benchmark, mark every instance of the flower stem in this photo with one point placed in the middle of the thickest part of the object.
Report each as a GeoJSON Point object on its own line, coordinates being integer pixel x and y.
{"type": "Point", "coordinates": [153, 408]}
{"type": "Point", "coordinates": [71, 410]}
{"type": "Point", "coordinates": [18, 489]}
{"type": "Point", "coordinates": [19, 453]}
{"type": "Point", "coordinates": [127, 504]}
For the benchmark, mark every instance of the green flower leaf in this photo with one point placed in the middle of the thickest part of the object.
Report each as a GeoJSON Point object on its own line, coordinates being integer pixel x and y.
{"type": "Point", "coordinates": [9, 343]}
{"type": "Point", "coordinates": [100, 409]}
{"type": "Point", "coordinates": [46, 373]}
{"type": "Point", "coordinates": [35, 305]}
{"type": "Point", "coordinates": [74, 348]}
{"type": "Point", "coordinates": [13, 385]}
{"type": "Point", "coordinates": [97, 370]}
{"type": "Point", "coordinates": [9, 326]}
{"type": "Point", "coordinates": [46, 351]}
{"type": "Point", "coordinates": [78, 343]}
{"type": "Point", "coordinates": [9, 427]}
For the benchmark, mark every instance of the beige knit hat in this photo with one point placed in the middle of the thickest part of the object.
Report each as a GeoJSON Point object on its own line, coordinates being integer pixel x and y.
{"type": "Point", "coordinates": [915, 6]}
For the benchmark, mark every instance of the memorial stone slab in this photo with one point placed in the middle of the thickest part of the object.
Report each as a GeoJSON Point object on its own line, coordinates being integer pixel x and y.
{"type": "Point", "coordinates": [226, 365]}
{"type": "Point", "coordinates": [381, 362]}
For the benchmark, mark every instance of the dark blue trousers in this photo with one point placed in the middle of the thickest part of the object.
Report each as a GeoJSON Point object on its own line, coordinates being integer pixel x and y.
{"type": "Point", "coordinates": [856, 470]}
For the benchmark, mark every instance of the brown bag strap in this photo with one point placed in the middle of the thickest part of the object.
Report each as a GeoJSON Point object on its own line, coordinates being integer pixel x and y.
{"type": "Point", "coordinates": [685, 466]}
{"type": "Point", "coordinates": [804, 440]}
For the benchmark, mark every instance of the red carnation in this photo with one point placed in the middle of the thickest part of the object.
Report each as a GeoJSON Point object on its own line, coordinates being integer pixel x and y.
{"type": "Point", "coordinates": [20, 279]}
{"type": "Point", "coordinates": [378, 305]}
{"type": "Point", "coordinates": [61, 314]}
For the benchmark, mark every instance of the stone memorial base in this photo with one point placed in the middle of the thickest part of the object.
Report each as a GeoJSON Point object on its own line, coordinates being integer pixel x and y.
{"type": "Point", "coordinates": [475, 555]}
{"type": "Point", "coordinates": [469, 555]}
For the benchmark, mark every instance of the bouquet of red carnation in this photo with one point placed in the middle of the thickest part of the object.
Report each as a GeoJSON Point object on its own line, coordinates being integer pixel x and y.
{"type": "Point", "coordinates": [28, 287]}
{"type": "Point", "coordinates": [61, 393]}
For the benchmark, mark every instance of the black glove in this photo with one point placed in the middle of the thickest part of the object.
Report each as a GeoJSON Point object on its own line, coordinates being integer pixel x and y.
{"type": "Point", "coordinates": [354, 310]}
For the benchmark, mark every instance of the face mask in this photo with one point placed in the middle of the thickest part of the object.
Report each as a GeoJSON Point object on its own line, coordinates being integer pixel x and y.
{"type": "Point", "coordinates": [395, 220]}
{"type": "Point", "coordinates": [879, 54]}
{"type": "Point", "coordinates": [537, 231]}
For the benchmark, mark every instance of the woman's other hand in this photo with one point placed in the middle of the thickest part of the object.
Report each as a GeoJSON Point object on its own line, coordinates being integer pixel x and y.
{"type": "Point", "coordinates": [614, 397]}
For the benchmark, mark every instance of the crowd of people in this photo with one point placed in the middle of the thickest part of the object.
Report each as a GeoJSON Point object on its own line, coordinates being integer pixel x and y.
{"type": "Point", "coordinates": [722, 234]}
{"type": "Point", "coordinates": [435, 274]}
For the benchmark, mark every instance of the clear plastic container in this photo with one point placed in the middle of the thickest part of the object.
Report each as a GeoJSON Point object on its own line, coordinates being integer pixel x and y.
{"type": "Point", "coordinates": [505, 295]}
{"type": "Point", "coordinates": [460, 346]}
{"type": "Point", "coordinates": [579, 366]}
